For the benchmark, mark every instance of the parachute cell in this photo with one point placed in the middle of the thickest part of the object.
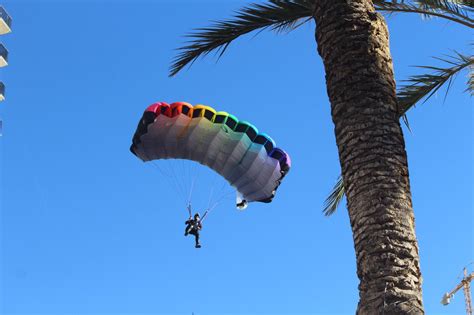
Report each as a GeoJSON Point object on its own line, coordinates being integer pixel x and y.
{"type": "Point", "coordinates": [5, 21]}
{"type": "Point", "coordinates": [235, 149]}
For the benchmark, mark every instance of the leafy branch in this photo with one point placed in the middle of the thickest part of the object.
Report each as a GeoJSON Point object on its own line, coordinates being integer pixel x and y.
{"type": "Point", "coordinates": [425, 85]}
{"type": "Point", "coordinates": [279, 16]}
{"type": "Point", "coordinates": [456, 11]}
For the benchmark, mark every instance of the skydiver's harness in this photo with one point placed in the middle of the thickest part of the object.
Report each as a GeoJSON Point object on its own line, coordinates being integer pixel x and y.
{"type": "Point", "coordinates": [192, 221]}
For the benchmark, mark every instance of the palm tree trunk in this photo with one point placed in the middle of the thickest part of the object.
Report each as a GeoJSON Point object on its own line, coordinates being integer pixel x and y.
{"type": "Point", "coordinates": [353, 43]}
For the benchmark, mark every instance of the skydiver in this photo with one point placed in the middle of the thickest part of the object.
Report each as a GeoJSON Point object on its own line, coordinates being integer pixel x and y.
{"type": "Point", "coordinates": [193, 226]}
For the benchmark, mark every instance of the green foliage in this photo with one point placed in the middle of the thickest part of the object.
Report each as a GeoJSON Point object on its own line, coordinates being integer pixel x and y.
{"type": "Point", "coordinates": [423, 86]}
{"type": "Point", "coordinates": [334, 199]}
{"type": "Point", "coordinates": [279, 16]}
{"type": "Point", "coordinates": [456, 11]}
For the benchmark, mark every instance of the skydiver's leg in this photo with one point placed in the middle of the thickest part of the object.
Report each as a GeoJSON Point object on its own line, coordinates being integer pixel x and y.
{"type": "Point", "coordinates": [196, 236]}
{"type": "Point", "coordinates": [187, 230]}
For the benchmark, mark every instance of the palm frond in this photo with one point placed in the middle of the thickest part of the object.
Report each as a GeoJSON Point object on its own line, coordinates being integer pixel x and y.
{"type": "Point", "coordinates": [335, 198]}
{"type": "Point", "coordinates": [278, 15]}
{"type": "Point", "coordinates": [422, 86]}
{"type": "Point", "coordinates": [425, 85]}
{"type": "Point", "coordinates": [470, 81]}
{"type": "Point", "coordinates": [456, 11]}
{"type": "Point", "coordinates": [461, 9]}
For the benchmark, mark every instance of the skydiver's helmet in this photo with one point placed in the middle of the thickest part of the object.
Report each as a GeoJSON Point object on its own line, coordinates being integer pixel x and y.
{"type": "Point", "coordinates": [197, 216]}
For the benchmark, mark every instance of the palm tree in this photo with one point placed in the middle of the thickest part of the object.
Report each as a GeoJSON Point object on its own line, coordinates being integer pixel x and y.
{"type": "Point", "coordinates": [352, 40]}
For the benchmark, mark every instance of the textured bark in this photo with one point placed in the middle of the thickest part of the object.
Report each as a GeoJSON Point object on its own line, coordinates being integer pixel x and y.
{"type": "Point", "coordinates": [353, 43]}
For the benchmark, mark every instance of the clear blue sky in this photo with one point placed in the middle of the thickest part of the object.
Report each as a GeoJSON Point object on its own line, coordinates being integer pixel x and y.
{"type": "Point", "coordinates": [87, 228]}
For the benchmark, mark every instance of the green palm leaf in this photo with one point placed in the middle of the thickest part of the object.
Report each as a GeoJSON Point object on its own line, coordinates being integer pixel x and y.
{"type": "Point", "coordinates": [335, 198]}
{"type": "Point", "coordinates": [280, 16]}
{"type": "Point", "coordinates": [456, 11]}
{"type": "Point", "coordinates": [423, 86]}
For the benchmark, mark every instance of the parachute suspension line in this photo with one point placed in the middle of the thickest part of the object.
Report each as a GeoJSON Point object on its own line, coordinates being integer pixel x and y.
{"type": "Point", "coordinates": [190, 175]}
{"type": "Point", "coordinates": [222, 198]}
{"type": "Point", "coordinates": [173, 180]}
{"type": "Point", "coordinates": [166, 175]}
{"type": "Point", "coordinates": [214, 205]}
{"type": "Point", "coordinates": [211, 193]}
{"type": "Point", "coordinates": [223, 187]}
{"type": "Point", "coordinates": [221, 193]}
{"type": "Point", "coordinates": [178, 183]}
{"type": "Point", "coordinates": [189, 209]}
{"type": "Point", "coordinates": [216, 195]}
{"type": "Point", "coordinates": [178, 171]}
{"type": "Point", "coordinates": [184, 172]}
{"type": "Point", "coordinates": [181, 170]}
{"type": "Point", "coordinates": [191, 190]}
{"type": "Point", "coordinates": [169, 178]}
{"type": "Point", "coordinates": [194, 169]}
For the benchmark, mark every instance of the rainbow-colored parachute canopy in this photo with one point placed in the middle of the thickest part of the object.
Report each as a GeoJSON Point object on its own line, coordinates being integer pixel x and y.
{"type": "Point", "coordinates": [235, 149]}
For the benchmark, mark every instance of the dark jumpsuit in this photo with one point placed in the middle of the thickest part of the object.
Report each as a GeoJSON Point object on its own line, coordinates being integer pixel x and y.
{"type": "Point", "coordinates": [192, 227]}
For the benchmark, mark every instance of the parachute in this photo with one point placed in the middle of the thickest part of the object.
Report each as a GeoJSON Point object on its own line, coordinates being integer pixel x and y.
{"type": "Point", "coordinates": [247, 159]}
